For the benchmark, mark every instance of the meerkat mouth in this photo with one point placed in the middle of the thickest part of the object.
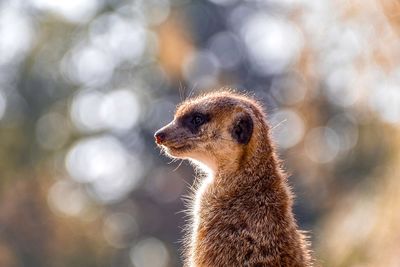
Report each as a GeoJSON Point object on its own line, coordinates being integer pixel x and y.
{"type": "Point", "coordinates": [177, 147]}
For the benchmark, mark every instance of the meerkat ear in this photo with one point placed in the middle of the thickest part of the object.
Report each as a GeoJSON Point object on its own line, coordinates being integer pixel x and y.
{"type": "Point", "coordinates": [242, 129]}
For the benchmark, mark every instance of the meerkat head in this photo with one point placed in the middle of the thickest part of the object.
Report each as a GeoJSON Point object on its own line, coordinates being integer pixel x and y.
{"type": "Point", "coordinates": [215, 129]}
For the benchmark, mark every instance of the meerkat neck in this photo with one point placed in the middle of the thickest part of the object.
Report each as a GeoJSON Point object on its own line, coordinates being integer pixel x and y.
{"type": "Point", "coordinates": [260, 157]}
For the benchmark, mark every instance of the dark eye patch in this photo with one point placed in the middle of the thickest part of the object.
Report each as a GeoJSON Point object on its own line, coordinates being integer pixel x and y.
{"type": "Point", "coordinates": [194, 120]}
{"type": "Point", "coordinates": [197, 120]}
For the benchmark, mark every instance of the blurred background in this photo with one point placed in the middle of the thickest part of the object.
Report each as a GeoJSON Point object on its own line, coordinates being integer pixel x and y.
{"type": "Point", "coordinates": [85, 84]}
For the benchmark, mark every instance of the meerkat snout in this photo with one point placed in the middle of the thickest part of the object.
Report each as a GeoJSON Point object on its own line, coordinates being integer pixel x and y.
{"type": "Point", "coordinates": [160, 137]}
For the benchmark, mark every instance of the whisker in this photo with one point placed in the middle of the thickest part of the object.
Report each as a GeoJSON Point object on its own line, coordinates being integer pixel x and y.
{"type": "Point", "coordinates": [192, 91]}
{"type": "Point", "coordinates": [279, 124]}
{"type": "Point", "coordinates": [187, 183]}
{"type": "Point", "coordinates": [172, 161]}
{"type": "Point", "coordinates": [181, 91]}
{"type": "Point", "coordinates": [178, 165]}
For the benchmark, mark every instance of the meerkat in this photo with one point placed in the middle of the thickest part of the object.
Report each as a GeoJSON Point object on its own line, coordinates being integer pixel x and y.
{"type": "Point", "coordinates": [242, 211]}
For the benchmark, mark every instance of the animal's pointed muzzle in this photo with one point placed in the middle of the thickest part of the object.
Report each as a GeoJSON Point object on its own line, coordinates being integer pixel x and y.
{"type": "Point", "coordinates": [160, 137]}
{"type": "Point", "coordinates": [164, 134]}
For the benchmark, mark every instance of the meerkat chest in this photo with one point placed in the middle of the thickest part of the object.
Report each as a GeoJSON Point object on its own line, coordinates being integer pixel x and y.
{"type": "Point", "coordinates": [200, 201]}
{"type": "Point", "coordinates": [212, 209]}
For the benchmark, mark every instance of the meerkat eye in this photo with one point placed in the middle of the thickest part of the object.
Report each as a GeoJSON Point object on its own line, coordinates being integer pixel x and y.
{"type": "Point", "coordinates": [193, 121]}
{"type": "Point", "coordinates": [197, 120]}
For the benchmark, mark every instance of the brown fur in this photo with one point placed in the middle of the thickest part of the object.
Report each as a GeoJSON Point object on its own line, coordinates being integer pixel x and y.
{"type": "Point", "coordinates": [242, 211]}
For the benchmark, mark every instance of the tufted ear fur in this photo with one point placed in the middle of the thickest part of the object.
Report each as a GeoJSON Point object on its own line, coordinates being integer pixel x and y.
{"type": "Point", "coordinates": [242, 129]}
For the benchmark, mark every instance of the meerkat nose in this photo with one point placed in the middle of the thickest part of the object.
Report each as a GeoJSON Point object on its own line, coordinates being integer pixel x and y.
{"type": "Point", "coordinates": [160, 137]}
